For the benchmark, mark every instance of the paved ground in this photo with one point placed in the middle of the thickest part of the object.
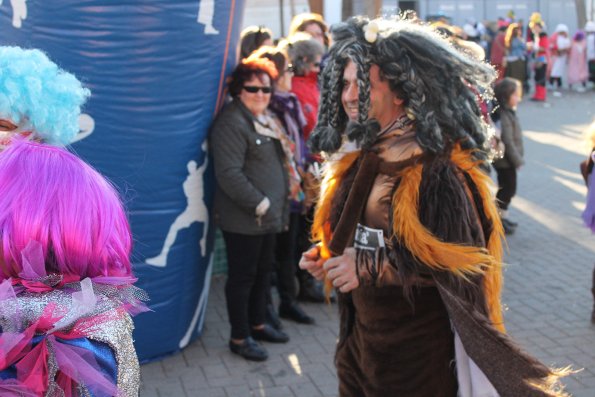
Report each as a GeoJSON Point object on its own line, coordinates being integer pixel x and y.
{"type": "Point", "coordinates": [547, 285]}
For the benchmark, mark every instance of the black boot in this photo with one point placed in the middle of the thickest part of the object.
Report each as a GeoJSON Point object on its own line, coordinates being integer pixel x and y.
{"type": "Point", "coordinates": [270, 334]}
{"type": "Point", "coordinates": [293, 312]}
{"type": "Point", "coordinates": [249, 349]}
{"type": "Point", "coordinates": [310, 291]}
{"type": "Point", "coordinates": [272, 318]}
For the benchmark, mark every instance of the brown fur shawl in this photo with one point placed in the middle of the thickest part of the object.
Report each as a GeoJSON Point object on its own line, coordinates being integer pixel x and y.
{"type": "Point", "coordinates": [467, 269]}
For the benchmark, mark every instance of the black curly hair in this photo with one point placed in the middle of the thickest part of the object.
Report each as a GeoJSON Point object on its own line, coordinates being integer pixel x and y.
{"type": "Point", "coordinates": [440, 86]}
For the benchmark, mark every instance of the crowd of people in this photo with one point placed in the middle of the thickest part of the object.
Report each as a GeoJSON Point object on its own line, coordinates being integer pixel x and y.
{"type": "Point", "coordinates": [267, 180]}
{"type": "Point", "coordinates": [558, 60]}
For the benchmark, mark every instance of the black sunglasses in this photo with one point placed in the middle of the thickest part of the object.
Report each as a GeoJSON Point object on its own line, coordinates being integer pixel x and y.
{"type": "Point", "coordinates": [253, 89]}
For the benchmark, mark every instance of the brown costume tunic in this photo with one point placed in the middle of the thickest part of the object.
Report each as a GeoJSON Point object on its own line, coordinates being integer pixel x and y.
{"type": "Point", "coordinates": [440, 269]}
{"type": "Point", "coordinates": [396, 347]}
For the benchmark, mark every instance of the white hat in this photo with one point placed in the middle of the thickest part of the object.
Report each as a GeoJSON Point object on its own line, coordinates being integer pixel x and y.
{"type": "Point", "coordinates": [562, 28]}
{"type": "Point", "coordinates": [470, 30]}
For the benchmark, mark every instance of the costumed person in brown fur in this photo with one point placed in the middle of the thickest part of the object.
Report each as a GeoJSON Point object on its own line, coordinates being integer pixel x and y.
{"type": "Point", "coordinates": [407, 229]}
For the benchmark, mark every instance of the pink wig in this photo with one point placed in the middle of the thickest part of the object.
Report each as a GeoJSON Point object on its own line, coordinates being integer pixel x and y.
{"type": "Point", "coordinates": [50, 196]}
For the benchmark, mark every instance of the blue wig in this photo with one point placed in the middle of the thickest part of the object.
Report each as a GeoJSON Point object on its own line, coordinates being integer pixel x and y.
{"type": "Point", "coordinates": [37, 95]}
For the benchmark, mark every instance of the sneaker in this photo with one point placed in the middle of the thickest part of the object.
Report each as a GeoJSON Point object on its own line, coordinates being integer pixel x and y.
{"type": "Point", "coordinates": [269, 334]}
{"type": "Point", "coordinates": [249, 349]}
{"type": "Point", "coordinates": [295, 313]}
{"type": "Point", "coordinates": [557, 94]}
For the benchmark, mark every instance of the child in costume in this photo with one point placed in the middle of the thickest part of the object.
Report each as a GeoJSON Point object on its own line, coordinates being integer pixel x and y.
{"type": "Point", "coordinates": [66, 285]}
{"type": "Point", "coordinates": [540, 47]}
{"type": "Point", "coordinates": [578, 72]}
{"type": "Point", "coordinates": [560, 45]}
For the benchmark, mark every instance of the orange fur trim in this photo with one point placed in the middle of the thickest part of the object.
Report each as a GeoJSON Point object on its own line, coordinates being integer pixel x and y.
{"type": "Point", "coordinates": [493, 276]}
{"type": "Point", "coordinates": [321, 228]}
{"type": "Point", "coordinates": [431, 251]}
{"type": "Point", "coordinates": [333, 175]}
{"type": "Point", "coordinates": [459, 259]}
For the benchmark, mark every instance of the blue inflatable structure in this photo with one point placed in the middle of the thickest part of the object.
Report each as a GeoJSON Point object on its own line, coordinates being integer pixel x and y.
{"type": "Point", "coordinates": [157, 72]}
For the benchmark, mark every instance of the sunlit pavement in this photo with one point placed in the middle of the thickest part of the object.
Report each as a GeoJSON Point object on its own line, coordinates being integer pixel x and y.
{"type": "Point", "coordinates": [547, 285]}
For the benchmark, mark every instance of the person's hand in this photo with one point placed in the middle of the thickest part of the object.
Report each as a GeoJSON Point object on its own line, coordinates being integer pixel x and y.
{"type": "Point", "coordinates": [312, 263]}
{"type": "Point", "coordinates": [341, 272]}
{"type": "Point", "coordinates": [263, 207]}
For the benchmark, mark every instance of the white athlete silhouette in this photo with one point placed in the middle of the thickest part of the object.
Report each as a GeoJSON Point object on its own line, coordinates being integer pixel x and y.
{"type": "Point", "coordinates": [206, 12]}
{"type": "Point", "coordinates": [196, 211]}
{"type": "Point", "coordinates": [19, 12]}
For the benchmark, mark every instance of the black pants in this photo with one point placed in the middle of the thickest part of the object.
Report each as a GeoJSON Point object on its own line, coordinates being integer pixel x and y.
{"type": "Point", "coordinates": [286, 253]}
{"type": "Point", "coordinates": [249, 262]}
{"type": "Point", "coordinates": [506, 186]}
{"type": "Point", "coordinates": [540, 74]}
{"type": "Point", "coordinates": [557, 80]}
{"type": "Point", "coordinates": [303, 245]}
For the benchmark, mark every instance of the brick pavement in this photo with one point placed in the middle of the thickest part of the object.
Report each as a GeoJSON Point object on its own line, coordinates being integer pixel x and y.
{"type": "Point", "coordinates": [547, 285]}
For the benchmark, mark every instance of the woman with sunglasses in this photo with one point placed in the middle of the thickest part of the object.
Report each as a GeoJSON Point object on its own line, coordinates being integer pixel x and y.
{"type": "Point", "coordinates": [251, 201]}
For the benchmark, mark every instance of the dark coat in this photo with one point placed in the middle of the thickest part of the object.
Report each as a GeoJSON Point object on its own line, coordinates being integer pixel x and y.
{"type": "Point", "coordinates": [248, 168]}
{"type": "Point", "coordinates": [512, 137]}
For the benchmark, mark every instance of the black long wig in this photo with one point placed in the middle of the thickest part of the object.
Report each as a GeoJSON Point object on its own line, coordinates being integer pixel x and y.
{"type": "Point", "coordinates": [439, 84]}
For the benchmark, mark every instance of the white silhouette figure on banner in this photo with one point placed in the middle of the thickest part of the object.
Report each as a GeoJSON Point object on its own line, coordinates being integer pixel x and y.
{"type": "Point", "coordinates": [19, 12]}
{"type": "Point", "coordinates": [86, 127]}
{"type": "Point", "coordinates": [196, 211]}
{"type": "Point", "coordinates": [206, 12]}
